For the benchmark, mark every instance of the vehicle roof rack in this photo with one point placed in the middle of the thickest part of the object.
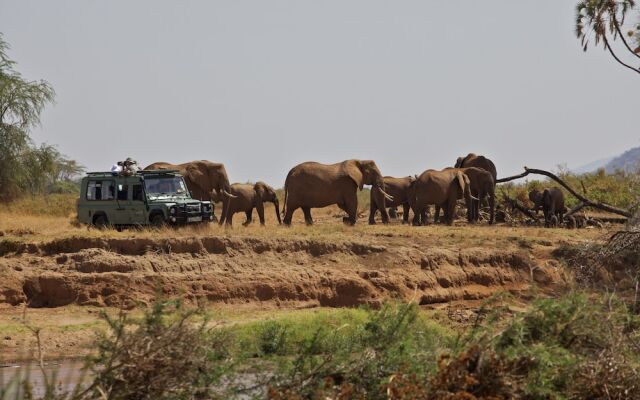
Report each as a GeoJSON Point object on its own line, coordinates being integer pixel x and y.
{"type": "Point", "coordinates": [145, 172]}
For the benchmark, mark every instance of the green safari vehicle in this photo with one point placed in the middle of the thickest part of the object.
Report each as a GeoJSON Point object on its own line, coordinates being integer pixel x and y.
{"type": "Point", "coordinates": [153, 198]}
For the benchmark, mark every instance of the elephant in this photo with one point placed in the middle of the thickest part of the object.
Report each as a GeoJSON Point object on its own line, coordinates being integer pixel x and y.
{"type": "Point", "coordinates": [398, 188]}
{"type": "Point", "coordinates": [442, 188]}
{"type": "Point", "coordinates": [315, 185]}
{"type": "Point", "coordinates": [473, 160]}
{"type": "Point", "coordinates": [202, 178]}
{"type": "Point", "coordinates": [551, 201]}
{"type": "Point", "coordinates": [247, 197]}
{"type": "Point", "coordinates": [482, 185]}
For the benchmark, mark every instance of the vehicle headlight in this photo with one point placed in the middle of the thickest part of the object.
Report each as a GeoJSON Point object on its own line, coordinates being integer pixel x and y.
{"type": "Point", "coordinates": [172, 210]}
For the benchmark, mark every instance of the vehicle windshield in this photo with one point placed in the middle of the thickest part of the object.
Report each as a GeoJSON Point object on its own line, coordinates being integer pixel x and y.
{"type": "Point", "coordinates": [165, 186]}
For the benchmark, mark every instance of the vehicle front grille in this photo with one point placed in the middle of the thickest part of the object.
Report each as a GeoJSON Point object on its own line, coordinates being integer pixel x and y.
{"type": "Point", "coordinates": [193, 208]}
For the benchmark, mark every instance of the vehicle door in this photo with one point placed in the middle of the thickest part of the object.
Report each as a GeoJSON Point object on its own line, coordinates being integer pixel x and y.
{"type": "Point", "coordinates": [137, 208]}
{"type": "Point", "coordinates": [100, 196]}
{"type": "Point", "coordinates": [121, 214]}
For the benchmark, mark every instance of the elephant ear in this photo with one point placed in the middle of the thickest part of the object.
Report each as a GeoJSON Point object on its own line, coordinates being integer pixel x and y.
{"type": "Point", "coordinates": [195, 178]}
{"type": "Point", "coordinates": [463, 181]}
{"type": "Point", "coordinates": [352, 170]}
{"type": "Point", "coordinates": [261, 190]}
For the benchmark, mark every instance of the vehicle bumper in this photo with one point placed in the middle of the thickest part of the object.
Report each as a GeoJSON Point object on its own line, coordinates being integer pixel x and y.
{"type": "Point", "coordinates": [191, 218]}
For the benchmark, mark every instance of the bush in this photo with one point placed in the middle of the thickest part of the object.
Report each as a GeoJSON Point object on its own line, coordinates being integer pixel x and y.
{"type": "Point", "coordinates": [358, 363]}
{"type": "Point", "coordinates": [168, 354]}
{"type": "Point", "coordinates": [619, 189]}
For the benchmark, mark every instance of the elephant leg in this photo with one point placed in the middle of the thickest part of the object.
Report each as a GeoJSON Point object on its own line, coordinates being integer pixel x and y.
{"type": "Point", "coordinates": [307, 215]}
{"type": "Point", "coordinates": [418, 211]}
{"type": "Point", "coordinates": [373, 207]}
{"type": "Point", "coordinates": [473, 215]}
{"type": "Point", "coordinates": [416, 217]}
{"type": "Point", "coordinates": [223, 216]}
{"type": "Point", "coordinates": [384, 214]}
{"type": "Point", "coordinates": [405, 213]}
{"type": "Point", "coordinates": [450, 211]}
{"type": "Point", "coordinates": [436, 216]}
{"type": "Point", "coordinates": [260, 210]}
{"type": "Point", "coordinates": [393, 213]}
{"type": "Point", "coordinates": [249, 215]}
{"type": "Point", "coordinates": [351, 208]}
{"type": "Point", "coordinates": [492, 208]}
{"type": "Point", "coordinates": [213, 212]}
{"type": "Point", "coordinates": [288, 214]}
{"type": "Point", "coordinates": [229, 219]}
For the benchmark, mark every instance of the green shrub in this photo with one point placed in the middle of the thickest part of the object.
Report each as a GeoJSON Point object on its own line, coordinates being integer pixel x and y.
{"type": "Point", "coordinates": [619, 189]}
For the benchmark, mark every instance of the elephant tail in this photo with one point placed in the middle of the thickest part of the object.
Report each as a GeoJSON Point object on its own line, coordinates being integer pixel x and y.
{"type": "Point", "coordinates": [286, 192]}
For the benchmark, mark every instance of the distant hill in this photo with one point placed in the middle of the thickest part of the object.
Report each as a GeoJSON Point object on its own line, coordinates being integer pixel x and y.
{"type": "Point", "coordinates": [628, 161]}
{"type": "Point", "coordinates": [592, 166]}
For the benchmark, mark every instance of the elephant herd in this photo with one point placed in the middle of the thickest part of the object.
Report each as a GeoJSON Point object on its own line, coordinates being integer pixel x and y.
{"type": "Point", "coordinates": [315, 185]}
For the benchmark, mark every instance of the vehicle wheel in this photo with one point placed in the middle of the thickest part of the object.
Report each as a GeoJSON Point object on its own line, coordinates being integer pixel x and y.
{"type": "Point", "coordinates": [100, 222]}
{"type": "Point", "coordinates": [157, 220]}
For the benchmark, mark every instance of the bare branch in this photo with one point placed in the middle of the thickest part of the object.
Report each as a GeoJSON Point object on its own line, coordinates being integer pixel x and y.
{"type": "Point", "coordinates": [587, 202]}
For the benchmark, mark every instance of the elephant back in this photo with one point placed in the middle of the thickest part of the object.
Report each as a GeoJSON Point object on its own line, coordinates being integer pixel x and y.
{"type": "Point", "coordinates": [473, 160]}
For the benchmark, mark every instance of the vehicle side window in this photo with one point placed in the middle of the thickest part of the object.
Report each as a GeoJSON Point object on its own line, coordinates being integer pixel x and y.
{"type": "Point", "coordinates": [137, 193]}
{"type": "Point", "coordinates": [123, 192]}
{"type": "Point", "coordinates": [101, 190]}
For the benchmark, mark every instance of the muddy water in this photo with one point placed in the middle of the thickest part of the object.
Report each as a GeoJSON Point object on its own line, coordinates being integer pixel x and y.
{"type": "Point", "coordinates": [65, 375]}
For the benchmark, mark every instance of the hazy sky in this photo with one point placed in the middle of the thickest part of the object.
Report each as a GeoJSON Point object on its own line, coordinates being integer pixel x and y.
{"type": "Point", "coordinates": [263, 85]}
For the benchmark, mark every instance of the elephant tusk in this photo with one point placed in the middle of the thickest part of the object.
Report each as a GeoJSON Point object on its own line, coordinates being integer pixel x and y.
{"type": "Point", "coordinates": [229, 194]}
{"type": "Point", "coordinates": [386, 195]}
{"type": "Point", "coordinates": [474, 198]}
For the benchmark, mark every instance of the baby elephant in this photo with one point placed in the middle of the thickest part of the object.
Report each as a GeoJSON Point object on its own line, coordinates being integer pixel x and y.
{"type": "Point", "coordinates": [247, 198]}
{"type": "Point", "coordinates": [551, 201]}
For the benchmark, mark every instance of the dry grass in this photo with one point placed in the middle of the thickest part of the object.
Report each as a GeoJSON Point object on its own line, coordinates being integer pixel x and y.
{"type": "Point", "coordinates": [18, 224]}
{"type": "Point", "coordinates": [32, 228]}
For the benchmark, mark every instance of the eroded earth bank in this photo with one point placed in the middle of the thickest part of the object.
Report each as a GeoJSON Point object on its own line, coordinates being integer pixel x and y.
{"type": "Point", "coordinates": [291, 271]}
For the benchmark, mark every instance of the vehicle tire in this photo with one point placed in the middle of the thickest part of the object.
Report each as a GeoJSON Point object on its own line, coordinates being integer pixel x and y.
{"type": "Point", "coordinates": [101, 221]}
{"type": "Point", "coordinates": [157, 220]}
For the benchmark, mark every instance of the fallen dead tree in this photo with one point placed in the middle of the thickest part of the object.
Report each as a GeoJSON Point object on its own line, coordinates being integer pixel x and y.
{"type": "Point", "coordinates": [584, 202]}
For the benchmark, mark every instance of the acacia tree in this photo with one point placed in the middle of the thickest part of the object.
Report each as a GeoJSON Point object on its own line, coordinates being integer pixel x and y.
{"type": "Point", "coordinates": [604, 22]}
{"type": "Point", "coordinates": [25, 168]}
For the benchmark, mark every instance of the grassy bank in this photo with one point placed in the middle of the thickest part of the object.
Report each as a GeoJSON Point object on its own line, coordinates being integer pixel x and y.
{"type": "Point", "coordinates": [576, 346]}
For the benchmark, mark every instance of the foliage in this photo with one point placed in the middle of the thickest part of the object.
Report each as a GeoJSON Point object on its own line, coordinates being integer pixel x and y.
{"type": "Point", "coordinates": [357, 361]}
{"type": "Point", "coordinates": [168, 354]}
{"type": "Point", "coordinates": [24, 167]}
{"type": "Point", "coordinates": [604, 21]}
{"type": "Point", "coordinates": [620, 189]}
{"type": "Point", "coordinates": [571, 347]}
{"type": "Point", "coordinates": [574, 346]}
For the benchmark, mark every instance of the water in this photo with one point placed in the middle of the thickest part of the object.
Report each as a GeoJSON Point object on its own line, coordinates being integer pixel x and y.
{"type": "Point", "coordinates": [65, 375]}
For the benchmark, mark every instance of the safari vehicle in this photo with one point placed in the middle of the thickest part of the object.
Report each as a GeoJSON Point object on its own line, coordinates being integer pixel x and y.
{"type": "Point", "coordinates": [151, 198]}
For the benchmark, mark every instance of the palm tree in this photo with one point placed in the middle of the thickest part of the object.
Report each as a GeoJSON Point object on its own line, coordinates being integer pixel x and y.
{"type": "Point", "coordinates": [604, 20]}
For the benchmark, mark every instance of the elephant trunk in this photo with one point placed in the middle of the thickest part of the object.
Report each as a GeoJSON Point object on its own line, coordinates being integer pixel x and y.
{"type": "Point", "coordinates": [276, 204]}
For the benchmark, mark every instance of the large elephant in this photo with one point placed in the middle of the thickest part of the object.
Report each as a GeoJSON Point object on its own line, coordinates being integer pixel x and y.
{"type": "Point", "coordinates": [474, 160]}
{"type": "Point", "coordinates": [551, 201]}
{"type": "Point", "coordinates": [202, 178]}
{"type": "Point", "coordinates": [248, 197]}
{"type": "Point", "coordinates": [442, 188]}
{"type": "Point", "coordinates": [482, 185]}
{"type": "Point", "coordinates": [398, 188]}
{"type": "Point", "coordinates": [314, 185]}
